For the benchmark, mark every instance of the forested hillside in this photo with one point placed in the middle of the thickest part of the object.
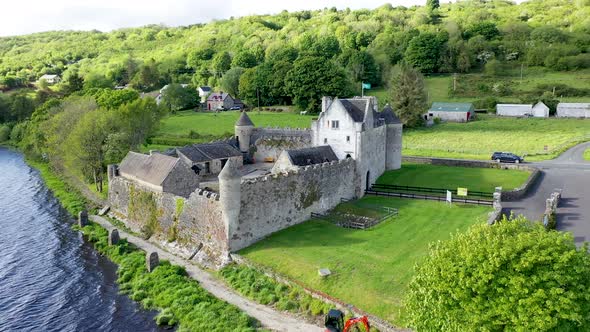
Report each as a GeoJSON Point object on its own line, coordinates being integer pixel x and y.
{"type": "Point", "coordinates": [296, 57]}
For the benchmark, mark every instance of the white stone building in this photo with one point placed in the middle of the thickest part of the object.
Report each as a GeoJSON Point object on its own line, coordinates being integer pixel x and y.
{"type": "Point", "coordinates": [538, 110]}
{"type": "Point", "coordinates": [573, 110]}
{"type": "Point", "coordinates": [50, 78]}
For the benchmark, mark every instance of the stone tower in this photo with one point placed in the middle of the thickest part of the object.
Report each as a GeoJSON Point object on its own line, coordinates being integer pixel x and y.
{"type": "Point", "coordinates": [393, 145]}
{"type": "Point", "coordinates": [243, 130]}
{"type": "Point", "coordinates": [230, 197]}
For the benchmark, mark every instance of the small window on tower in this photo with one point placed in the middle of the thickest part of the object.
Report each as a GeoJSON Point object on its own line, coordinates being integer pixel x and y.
{"type": "Point", "coordinates": [325, 141]}
{"type": "Point", "coordinates": [335, 124]}
{"type": "Point", "coordinates": [347, 139]}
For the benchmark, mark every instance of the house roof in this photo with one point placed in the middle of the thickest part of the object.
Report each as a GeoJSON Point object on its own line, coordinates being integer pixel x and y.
{"type": "Point", "coordinates": [49, 76]}
{"type": "Point", "coordinates": [209, 151]}
{"type": "Point", "coordinates": [152, 168]}
{"type": "Point", "coordinates": [205, 88]}
{"type": "Point", "coordinates": [310, 156]}
{"type": "Point", "coordinates": [355, 108]}
{"type": "Point", "coordinates": [216, 96]}
{"type": "Point", "coordinates": [388, 115]}
{"type": "Point", "coordinates": [451, 107]}
{"type": "Point", "coordinates": [244, 120]}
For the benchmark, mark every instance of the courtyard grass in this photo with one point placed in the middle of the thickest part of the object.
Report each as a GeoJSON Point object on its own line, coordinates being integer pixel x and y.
{"type": "Point", "coordinates": [372, 268]}
{"type": "Point", "coordinates": [479, 139]}
{"type": "Point", "coordinates": [472, 178]}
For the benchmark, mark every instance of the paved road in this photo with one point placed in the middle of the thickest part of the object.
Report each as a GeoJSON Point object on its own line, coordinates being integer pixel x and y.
{"type": "Point", "coordinates": [269, 317]}
{"type": "Point", "coordinates": [571, 173]}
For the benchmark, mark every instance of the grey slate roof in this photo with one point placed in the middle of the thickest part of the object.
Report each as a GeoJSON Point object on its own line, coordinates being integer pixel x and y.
{"type": "Point", "coordinates": [205, 88]}
{"type": "Point", "coordinates": [209, 151]}
{"type": "Point", "coordinates": [310, 156]}
{"type": "Point", "coordinates": [451, 107]}
{"type": "Point", "coordinates": [355, 108]}
{"type": "Point", "coordinates": [152, 168]}
{"type": "Point", "coordinates": [388, 115]}
{"type": "Point", "coordinates": [244, 120]}
{"type": "Point", "coordinates": [217, 96]}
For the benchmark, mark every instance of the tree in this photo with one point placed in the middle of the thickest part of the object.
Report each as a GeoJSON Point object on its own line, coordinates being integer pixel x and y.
{"type": "Point", "coordinates": [486, 29]}
{"type": "Point", "coordinates": [244, 59]}
{"type": "Point", "coordinates": [221, 63]}
{"type": "Point", "coordinates": [176, 97]}
{"type": "Point", "coordinates": [96, 80]}
{"type": "Point", "coordinates": [230, 82]}
{"type": "Point", "coordinates": [73, 81]}
{"type": "Point", "coordinates": [408, 95]}
{"type": "Point", "coordinates": [139, 119]}
{"type": "Point", "coordinates": [85, 146]}
{"type": "Point", "coordinates": [21, 107]}
{"type": "Point", "coordinates": [43, 85]}
{"type": "Point", "coordinates": [513, 275]}
{"type": "Point", "coordinates": [314, 77]}
{"type": "Point", "coordinates": [432, 4]}
{"type": "Point", "coordinates": [361, 66]}
{"type": "Point", "coordinates": [423, 52]}
{"type": "Point", "coordinates": [148, 77]}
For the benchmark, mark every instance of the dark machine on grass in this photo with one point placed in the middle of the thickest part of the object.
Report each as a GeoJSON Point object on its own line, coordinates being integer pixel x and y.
{"type": "Point", "coordinates": [335, 322]}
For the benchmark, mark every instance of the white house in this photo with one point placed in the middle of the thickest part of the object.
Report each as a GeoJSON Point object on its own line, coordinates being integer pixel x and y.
{"type": "Point", "coordinates": [50, 78]}
{"type": "Point", "coordinates": [539, 110]}
{"type": "Point", "coordinates": [204, 91]}
{"type": "Point", "coordinates": [573, 110]}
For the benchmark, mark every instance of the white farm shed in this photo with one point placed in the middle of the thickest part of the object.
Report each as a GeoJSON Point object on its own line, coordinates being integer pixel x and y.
{"type": "Point", "coordinates": [539, 110]}
{"type": "Point", "coordinates": [573, 110]}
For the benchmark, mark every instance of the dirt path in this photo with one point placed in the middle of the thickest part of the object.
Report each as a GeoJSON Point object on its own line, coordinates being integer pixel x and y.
{"type": "Point", "coordinates": [268, 317]}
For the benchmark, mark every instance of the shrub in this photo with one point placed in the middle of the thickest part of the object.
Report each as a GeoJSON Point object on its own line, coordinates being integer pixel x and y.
{"type": "Point", "coordinates": [551, 221]}
{"type": "Point", "coordinates": [4, 133]}
{"type": "Point", "coordinates": [488, 104]}
{"type": "Point", "coordinates": [495, 277]}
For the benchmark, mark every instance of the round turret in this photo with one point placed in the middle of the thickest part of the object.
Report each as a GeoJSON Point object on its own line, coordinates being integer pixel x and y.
{"type": "Point", "coordinates": [230, 197]}
{"type": "Point", "coordinates": [243, 130]}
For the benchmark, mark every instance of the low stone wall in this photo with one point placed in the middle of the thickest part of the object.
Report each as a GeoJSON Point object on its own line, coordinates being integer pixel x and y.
{"type": "Point", "coordinates": [375, 321]}
{"type": "Point", "coordinates": [507, 196]}
{"type": "Point", "coordinates": [549, 217]}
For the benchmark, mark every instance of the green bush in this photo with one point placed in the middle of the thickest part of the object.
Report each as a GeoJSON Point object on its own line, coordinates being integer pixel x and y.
{"type": "Point", "coordinates": [513, 275]}
{"type": "Point", "coordinates": [551, 221]}
{"type": "Point", "coordinates": [4, 133]}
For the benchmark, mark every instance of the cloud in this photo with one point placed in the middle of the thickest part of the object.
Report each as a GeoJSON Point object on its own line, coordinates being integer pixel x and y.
{"type": "Point", "coordinates": [22, 17]}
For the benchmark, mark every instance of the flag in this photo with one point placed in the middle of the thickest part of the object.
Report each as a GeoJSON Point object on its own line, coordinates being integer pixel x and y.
{"type": "Point", "coordinates": [366, 85]}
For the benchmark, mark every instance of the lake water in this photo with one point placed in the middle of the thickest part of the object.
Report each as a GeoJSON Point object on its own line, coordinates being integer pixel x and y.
{"type": "Point", "coordinates": [50, 279]}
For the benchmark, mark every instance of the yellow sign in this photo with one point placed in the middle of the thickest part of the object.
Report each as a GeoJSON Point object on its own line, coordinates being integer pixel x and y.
{"type": "Point", "coordinates": [461, 191]}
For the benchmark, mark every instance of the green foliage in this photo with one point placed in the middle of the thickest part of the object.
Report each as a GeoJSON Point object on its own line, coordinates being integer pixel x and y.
{"type": "Point", "coordinates": [143, 209]}
{"type": "Point", "coordinates": [486, 29]}
{"type": "Point", "coordinates": [263, 289]}
{"type": "Point", "coordinates": [552, 221]}
{"type": "Point", "coordinates": [408, 95]}
{"type": "Point", "coordinates": [180, 299]}
{"type": "Point", "coordinates": [424, 51]}
{"type": "Point", "coordinates": [587, 155]}
{"type": "Point", "coordinates": [244, 59]}
{"type": "Point", "coordinates": [111, 99]}
{"type": "Point", "coordinates": [494, 277]}
{"type": "Point", "coordinates": [176, 97]}
{"type": "Point", "coordinates": [230, 82]}
{"type": "Point", "coordinates": [4, 133]}
{"type": "Point", "coordinates": [314, 77]}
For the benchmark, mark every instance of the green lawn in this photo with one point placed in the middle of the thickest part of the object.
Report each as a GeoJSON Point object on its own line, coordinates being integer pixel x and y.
{"type": "Point", "coordinates": [475, 179]}
{"type": "Point", "coordinates": [587, 154]}
{"type": "Point", "coordinates": [372, 268]}
{"type": "Point", "coordinates": [479, 139]}
{"type": "Point", "coordinates": [175, 129]}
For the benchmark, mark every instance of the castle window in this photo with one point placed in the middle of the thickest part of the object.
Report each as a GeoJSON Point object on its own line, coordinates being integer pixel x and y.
{"type": "Point", "coordinates": [325, 141]}
{"type": "Point", "coordinates": [335, 124]}
{"type": "Point", "coordinates": [347, 139]}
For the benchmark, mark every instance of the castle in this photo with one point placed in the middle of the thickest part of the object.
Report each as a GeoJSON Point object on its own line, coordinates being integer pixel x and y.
{"type": "Point", "coordinates": [223, 196]}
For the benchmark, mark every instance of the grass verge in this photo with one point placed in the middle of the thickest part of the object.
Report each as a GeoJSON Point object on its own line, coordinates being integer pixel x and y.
{"type": "Point", "coordinates": [472, 178]}
{"type": "Point", "coordinates": [587, 154]}
{"type": "Point", "coordinates": [370, 269]}
{"type": "Point", "coordinates": [69, 197]}
{"type": "Point", "coordinates": [168, 289]}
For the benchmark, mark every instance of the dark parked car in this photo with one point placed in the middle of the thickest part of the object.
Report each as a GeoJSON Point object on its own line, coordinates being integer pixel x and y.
{"type": "Point", "coordinates": [236, 108]}
{"type": "Point", "coordinates": [506, 157]}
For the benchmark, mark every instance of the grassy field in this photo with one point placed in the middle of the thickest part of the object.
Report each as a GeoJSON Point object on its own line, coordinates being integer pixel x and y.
{"type": "Point", "coordinates": [587, 154]}
{"type": "Point", "coordinates": [479, 139]}
{"type": "Point", "coordinates": [372, 268]}
{"type": "Point", "coordinates": [176, 129]}
{"type": "Point", "coordinates": [475, 179]}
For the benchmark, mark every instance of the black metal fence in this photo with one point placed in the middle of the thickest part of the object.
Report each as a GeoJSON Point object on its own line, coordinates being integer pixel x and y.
{"type": "Point", "coordinates": [429, 197]}
{"type": "Point", "coordinates": [383, 187]}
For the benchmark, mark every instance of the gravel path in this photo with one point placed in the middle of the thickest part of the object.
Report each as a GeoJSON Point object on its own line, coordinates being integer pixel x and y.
{"type": "Point", "coordinates": [268, 317]}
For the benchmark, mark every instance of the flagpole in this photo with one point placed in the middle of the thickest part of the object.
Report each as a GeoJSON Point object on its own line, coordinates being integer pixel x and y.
{"type": "Point", "coordinates": [362, 89]}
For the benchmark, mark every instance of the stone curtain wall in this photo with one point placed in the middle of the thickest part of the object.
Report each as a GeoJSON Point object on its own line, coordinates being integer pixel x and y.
{"type": "Point", "coordinates": [188, 221]}
{"type": "Point", "coordinates": [274, 202]}
{"type": "Point", "coordinates": [270, 142]}
{"type": "Point", "coordinates": [371, 157]}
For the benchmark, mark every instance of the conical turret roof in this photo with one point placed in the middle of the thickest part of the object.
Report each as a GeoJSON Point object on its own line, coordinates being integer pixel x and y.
{"type": "Point", "coordinates": [244, 120]}
{"type": "Point", "coordinates": [230, 170]}
{"type": "Point", "coordinates": [388, 115]}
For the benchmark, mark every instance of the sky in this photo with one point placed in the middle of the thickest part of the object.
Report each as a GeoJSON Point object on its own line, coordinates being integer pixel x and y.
{"type": "Point", "coordinates": [28, 16]}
